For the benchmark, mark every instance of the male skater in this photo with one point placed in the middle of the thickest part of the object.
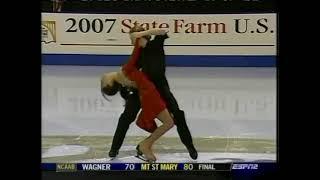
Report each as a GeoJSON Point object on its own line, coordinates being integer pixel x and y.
{"type": "Point", "coordinates": [152, 62]}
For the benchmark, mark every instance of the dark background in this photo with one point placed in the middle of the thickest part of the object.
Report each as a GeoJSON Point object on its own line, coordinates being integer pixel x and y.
{"type": "Point", "coordinates": [164, 6]}
{"type": "Point", "coordinates": [157, 7]}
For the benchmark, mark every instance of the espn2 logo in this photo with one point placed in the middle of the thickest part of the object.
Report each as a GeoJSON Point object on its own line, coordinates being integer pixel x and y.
{"type": "Point", "coordinates": [245, 166]}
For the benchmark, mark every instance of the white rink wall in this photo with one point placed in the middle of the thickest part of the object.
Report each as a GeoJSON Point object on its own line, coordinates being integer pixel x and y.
{"type": "Point", "coordinates": [224, 102]}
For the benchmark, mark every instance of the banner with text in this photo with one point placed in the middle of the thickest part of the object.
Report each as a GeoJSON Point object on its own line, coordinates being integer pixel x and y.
{"type": "Point", "coordinates": [210, 34]}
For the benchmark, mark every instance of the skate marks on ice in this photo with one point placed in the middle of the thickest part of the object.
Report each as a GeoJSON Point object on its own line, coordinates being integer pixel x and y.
{"type": "Point", "coordinates": [184, 158]}
{"type": "Point", "coordinates": [65, 150]}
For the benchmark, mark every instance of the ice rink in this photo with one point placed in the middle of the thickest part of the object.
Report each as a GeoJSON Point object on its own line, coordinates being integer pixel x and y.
{"type": "Point", "coordinates": [231, 113]}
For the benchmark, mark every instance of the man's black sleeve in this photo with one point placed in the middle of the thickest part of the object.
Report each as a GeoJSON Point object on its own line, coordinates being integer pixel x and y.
{"type": "Point", "coordinates": [159, 40]}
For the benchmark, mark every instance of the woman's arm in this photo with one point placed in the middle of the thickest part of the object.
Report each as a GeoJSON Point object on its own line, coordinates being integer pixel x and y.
{"type": "Point", "coordinates": [155, 31]}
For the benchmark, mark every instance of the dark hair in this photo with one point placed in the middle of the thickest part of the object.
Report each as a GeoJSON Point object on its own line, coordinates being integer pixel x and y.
{"type": "Point", "coordinates": [111, 90]}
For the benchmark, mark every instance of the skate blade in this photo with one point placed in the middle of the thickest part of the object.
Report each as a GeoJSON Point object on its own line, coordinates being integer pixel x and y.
{"type": "Point", "coordinates": [144, 159]}
{"type": "Point", "coordinates": [113, 158]}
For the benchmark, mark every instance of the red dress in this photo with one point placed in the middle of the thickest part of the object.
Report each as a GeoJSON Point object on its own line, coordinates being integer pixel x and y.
{"type": "Point", "coordinates": [151, 102]}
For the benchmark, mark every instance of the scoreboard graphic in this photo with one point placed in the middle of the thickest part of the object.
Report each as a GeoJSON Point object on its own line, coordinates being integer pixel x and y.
{"type": "Point", "coordinates": [71, 167]}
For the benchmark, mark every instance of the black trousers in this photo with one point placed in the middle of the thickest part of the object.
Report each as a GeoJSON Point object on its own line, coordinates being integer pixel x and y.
{"type": "Point", "coordinates": [132, 107]}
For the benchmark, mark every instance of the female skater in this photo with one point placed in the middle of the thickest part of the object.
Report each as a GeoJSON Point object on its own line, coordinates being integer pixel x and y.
{"type": "Point", "coordinates": [152, 104]}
